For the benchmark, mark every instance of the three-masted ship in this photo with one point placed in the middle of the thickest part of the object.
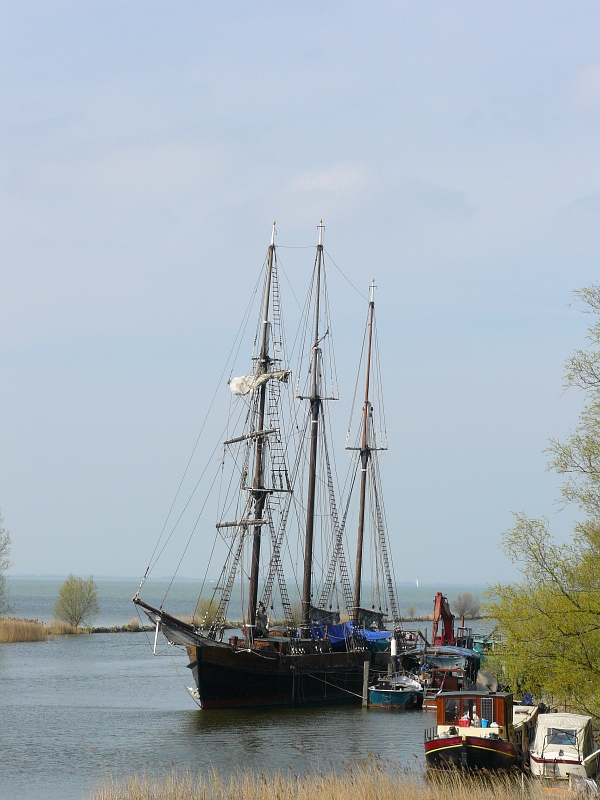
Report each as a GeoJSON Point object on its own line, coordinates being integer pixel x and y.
{"type": "Point", "coordinates": [310, 656]}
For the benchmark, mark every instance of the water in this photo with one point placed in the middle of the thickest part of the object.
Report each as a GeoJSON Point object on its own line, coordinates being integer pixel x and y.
{"type": "Point", "coordinates": [33, 598]}
{"type": "Point", "coordinates": [78, 708]}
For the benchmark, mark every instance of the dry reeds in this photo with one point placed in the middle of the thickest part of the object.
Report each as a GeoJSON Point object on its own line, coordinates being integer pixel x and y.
{"type": "Point", "coordinates": [57, 627]}
{"type": "Point", "coordinates": [370, 782]}
{"type": "Point", "coordinates": [22, 630]}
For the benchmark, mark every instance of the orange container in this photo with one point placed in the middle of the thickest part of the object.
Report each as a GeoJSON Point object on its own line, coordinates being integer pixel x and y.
{"type": "Point", "coordinates": [464, 723]}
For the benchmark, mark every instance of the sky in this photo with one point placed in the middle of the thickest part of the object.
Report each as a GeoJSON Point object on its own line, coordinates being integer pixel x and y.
{"type": "Point", "coordinates": [451, 150]}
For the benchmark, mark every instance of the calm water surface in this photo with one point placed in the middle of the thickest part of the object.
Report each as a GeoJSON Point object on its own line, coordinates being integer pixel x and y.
{"type": "Point", "coordinates": [79, 707]}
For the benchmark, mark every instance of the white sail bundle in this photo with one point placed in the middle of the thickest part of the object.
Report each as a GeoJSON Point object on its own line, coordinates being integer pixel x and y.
{"type": "Point", "coordinates": [248, 383]}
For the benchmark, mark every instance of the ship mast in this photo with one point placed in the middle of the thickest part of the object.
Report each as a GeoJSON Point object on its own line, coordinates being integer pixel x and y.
{"type": "Point", "coordinates": [258, 492]}
{"type": "Point", "coordinates": [365, 455]}
{"type": "Point", "coordinates": [315, 412]}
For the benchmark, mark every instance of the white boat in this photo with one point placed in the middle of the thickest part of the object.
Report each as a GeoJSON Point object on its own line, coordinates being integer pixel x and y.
{"type": "Point", "coordinates": [564, 746]}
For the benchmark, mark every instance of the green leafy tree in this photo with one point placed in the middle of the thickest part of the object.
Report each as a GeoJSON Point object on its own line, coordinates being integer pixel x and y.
{"type": "Point", "coordinates": [5, 563]}
{"type": "Point", "coordinates": [77, 601]}
{"type": "Point", "coordinates": [550, 621]}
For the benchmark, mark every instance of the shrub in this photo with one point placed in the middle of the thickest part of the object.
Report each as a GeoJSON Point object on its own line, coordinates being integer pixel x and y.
{"type": "Point", "coordinates": [206, 612]}
{"type": "Point", "coordinates": [77, 601]}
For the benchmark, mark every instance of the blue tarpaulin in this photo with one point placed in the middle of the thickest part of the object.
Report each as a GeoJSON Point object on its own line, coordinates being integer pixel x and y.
{"type": "Point", "coordinates": [339, 634]}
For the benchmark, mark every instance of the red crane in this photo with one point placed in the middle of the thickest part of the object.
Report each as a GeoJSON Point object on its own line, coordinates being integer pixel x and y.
{"type": "Point", "coordinates": [441, 611]}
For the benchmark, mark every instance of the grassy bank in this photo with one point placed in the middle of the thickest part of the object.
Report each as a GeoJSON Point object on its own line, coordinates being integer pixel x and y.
{"type": "Point", "coordinates": [358, 783]}
{"type": "Point", "coordinates": [13, 629]}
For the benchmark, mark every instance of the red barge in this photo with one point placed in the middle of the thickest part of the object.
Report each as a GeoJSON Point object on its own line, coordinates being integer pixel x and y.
{"type": "Point", "coordinates": [480, 732]}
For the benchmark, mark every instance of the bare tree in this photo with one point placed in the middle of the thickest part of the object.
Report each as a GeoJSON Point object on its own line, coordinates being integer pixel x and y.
{"type": "Point", "coordinates": [77, 601]}
{"type": "Point", "coordinates": [5, 563]}
{"type": "Point", "coordinates": [466, 606]}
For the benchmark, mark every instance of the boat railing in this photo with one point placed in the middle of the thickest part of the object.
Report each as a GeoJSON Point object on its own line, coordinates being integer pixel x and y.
{"type": "Point", "coordinates": [550, 739]}
{"type": "Point", "coordinates": [591, 757]}
{"type": "Point", "coordinates": [429, 734]}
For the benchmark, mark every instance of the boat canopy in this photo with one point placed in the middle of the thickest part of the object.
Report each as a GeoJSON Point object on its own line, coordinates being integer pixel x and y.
{"type": "Point", "coordinates": [439, 655]}
{"type": "Point", "coordinates": [557, 731]}
{"type": "Point", "coordinates": [339, 635]}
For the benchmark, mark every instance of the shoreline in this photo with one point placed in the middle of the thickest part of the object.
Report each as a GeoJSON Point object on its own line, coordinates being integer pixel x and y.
{"type": "Point", "coordinates": [17, 629]}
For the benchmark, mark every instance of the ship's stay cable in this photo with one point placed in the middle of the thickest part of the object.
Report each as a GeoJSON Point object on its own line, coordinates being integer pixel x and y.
{"type": "Point", "coordinates": [214, 480]}
{"type": "Point", "coordinates": [289, 284]}
{"type": "Point", "coordinates": [237, 340]}
{"type": "Point", "coordinates": [223, 433]}
{"type": "Point", "coordinates": [356, 383]}
{"type": "Point", "coordinates": [208, 463]}
{"type": "Point", "coordinates": [310, 247]}
{"type": "Point", "coordinates": [215, 539]}
{"type": "Point", "coordinates": [345, 276]}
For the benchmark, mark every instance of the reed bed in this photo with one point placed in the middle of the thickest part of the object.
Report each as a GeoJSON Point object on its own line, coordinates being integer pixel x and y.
{"type": "Point", "coordinates": [13, 629]}
{"type": "Point", "coordinates": [22, 630]}
{"type": "Point", "coordinates": [58, 628]}
{"type": "Point", "coordinates": [358, 783]}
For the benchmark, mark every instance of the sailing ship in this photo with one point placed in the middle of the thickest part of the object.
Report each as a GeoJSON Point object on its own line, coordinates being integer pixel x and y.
{"type": "Point", "coordinates": [321, 659]}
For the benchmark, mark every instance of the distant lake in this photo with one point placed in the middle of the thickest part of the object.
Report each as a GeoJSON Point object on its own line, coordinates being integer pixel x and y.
{"type": "Point", "coordinates": [34, 598]}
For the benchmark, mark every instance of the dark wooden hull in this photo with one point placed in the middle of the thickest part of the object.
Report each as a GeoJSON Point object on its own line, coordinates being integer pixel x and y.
{"type": "Point", "coordinates": [231, 677]}
{"type": "Point", "coordinates": [471, 753]}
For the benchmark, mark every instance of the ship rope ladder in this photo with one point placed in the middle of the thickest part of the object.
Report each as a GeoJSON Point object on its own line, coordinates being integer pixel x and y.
{"type": "Point", "coordinates": [220, 615]}
{"type": "Point", "coordinates": [275, 564]}
{"type": "Point", "coordinates": [338, 552]}
{"type": "Point", "coordinates": [384, 548]}
{"type": "Point", "coordinates": [279, 472]}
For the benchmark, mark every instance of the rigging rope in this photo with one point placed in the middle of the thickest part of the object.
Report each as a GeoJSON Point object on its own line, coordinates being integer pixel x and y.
{"type": "Point", "coordinates": [239, 335]}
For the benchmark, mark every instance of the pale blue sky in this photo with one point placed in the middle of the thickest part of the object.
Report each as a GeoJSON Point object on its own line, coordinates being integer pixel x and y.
{"type": "Point", "coordinates": [452, 151]}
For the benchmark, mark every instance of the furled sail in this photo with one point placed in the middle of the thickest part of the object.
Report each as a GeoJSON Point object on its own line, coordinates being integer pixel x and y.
{"type": "Point", "coordinates": [248, 383]}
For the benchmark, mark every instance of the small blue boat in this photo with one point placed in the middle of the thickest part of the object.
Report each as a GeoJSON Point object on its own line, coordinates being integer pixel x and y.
{"type": "Point", "coordinates": [396, 692]}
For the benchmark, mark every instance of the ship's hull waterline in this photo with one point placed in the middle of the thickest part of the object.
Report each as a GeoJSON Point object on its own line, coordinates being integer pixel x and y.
{"type": "Point", "coordinates": [274, 673]}
{"type": "Point", "coordinates": [229, 677]}
{"type": "Point", "coordinates": [471, 753]}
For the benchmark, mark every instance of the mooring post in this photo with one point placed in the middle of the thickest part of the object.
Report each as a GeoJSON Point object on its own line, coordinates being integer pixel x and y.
{"type": "Point", "coordinates": [365, 696]}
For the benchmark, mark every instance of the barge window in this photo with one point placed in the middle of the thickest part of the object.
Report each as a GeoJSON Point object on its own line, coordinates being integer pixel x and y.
{"type": "Point", "coordinates": [468, 707]}
{"type": "Point", "coordinates": [562, 736]}
{"type": "Point", "coordinates": [451, 710]}
{"type": "Point", "coordinates": [487, 708]}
